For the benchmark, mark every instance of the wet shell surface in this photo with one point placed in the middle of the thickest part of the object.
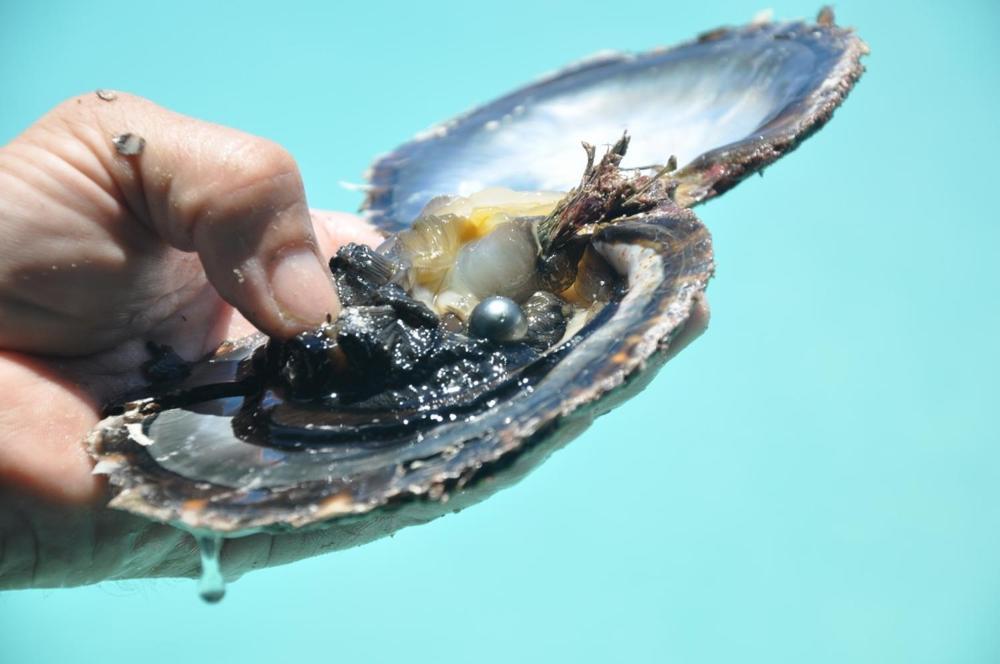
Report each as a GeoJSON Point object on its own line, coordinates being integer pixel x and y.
{"type": "Point", "coordinates": [263, 436]}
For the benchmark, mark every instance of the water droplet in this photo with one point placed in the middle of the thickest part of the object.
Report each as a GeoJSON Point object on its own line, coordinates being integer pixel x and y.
{"type": "Point", "coordinates": [211, 585]}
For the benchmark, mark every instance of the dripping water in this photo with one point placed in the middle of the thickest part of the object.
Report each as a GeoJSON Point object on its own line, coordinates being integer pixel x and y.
{"type": "Point", "coordinates": [211, 585]}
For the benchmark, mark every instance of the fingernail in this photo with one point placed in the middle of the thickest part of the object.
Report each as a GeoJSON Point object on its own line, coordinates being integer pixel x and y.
{"type": "Point", "coordinates": [303, 287]}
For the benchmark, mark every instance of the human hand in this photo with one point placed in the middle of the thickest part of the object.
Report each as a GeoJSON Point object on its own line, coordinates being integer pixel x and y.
{"type": "Point", "coordinates": [179, 244]}
{"type": "Point", "coordinates": [187, 243]}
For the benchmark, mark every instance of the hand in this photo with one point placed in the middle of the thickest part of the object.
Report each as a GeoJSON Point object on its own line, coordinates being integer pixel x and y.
{"type": "Point", "coordinates": [201, 234]}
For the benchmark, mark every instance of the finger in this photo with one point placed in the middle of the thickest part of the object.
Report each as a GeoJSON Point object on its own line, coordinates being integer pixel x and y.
{"type": "Point", "coordinates": [335, 229]}
{"type": "Point", "coordinates": [245, 554]}
{"type": "Point", "coordinates": [696, 324]}
{"type": "Point", "coordinates": [235, 199]}
{"type": "Point", "coordinates": [134, 548]}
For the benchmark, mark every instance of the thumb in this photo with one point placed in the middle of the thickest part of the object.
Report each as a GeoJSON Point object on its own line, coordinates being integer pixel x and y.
{"type": "Point", "coordinates": [235, 199]}
{"type": "Point", "coordinates": [335, 229]}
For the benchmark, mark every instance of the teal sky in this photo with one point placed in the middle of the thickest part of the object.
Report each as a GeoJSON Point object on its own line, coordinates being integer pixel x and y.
{"type": "Point", "coordinates": [816, 479]}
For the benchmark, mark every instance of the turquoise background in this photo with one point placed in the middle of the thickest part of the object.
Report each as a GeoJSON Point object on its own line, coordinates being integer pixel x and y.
{"type": "Point", "coordinates": [817, 479]}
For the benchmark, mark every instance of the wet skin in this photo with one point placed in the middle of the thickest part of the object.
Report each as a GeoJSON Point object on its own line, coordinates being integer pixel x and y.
{"type": "Point", "coordinates": [202, 236]}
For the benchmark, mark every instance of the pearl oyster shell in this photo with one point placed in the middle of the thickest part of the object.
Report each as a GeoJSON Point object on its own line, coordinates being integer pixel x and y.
{"type": "Point", "coordinates": [726, 105]}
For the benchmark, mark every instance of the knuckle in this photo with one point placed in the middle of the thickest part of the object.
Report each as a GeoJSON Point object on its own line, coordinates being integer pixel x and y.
{"type": "Point", "coordinates": [93, 109]}
{"type": "Point", "coordinates": [254, 177]}
{"type": "Point", "coordinates": [259, 162]}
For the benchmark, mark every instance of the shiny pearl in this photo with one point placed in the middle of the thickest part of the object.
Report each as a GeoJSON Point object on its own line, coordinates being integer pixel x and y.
{"type": "Point", "coordinates": [498, 319]}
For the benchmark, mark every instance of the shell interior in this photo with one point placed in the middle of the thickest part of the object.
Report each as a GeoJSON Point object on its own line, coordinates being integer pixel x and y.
{"type": "Point", "coordinates": [732, 91]}
{"type": "Point", "coordinates": [190, 466]}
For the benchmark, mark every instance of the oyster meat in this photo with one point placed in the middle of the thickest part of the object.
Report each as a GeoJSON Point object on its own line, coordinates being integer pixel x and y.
{"type": "Point", "coordinates": [512, 302]}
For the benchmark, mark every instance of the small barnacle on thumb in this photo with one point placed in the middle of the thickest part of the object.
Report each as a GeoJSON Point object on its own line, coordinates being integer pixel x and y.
{"type": "Point", "coordinates": [129, 145]}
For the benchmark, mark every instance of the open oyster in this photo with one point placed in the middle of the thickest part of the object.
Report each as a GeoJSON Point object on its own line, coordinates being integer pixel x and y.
{"type": "Point", "coordinates": [512, 302]}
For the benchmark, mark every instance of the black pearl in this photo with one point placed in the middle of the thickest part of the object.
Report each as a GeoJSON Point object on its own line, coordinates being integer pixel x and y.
{"type": "Point", "coordinates": [498, 318]}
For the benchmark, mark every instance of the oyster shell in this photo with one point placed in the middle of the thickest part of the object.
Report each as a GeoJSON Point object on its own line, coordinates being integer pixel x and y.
{"type": "Point", "coordinates": [235, 447]}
